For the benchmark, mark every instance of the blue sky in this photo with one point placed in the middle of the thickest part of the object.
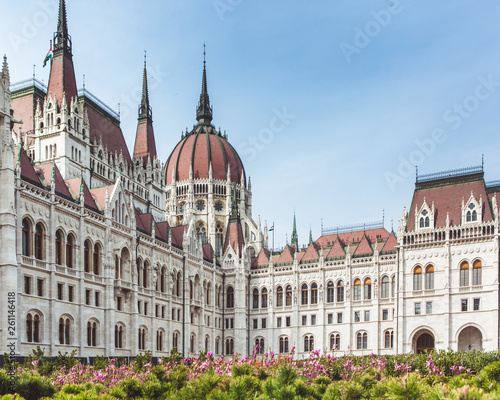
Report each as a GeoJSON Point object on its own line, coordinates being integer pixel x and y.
{"type": "Point", "coordinates": [329, 103]}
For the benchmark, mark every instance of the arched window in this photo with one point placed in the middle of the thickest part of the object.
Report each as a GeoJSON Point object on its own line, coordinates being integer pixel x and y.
{"type": "Point", "coordinates": [229, 346]}
{"type": "Point", "coordinates": [208, 293]}
{"type": "Point", "coordinates": [117, 267]}
{"type": "Point", "coordinates": [263, 301]}
{"type": "Point", "coordinates": [119, 333]}
{"type": "Point", "coordinates": [464, 274]}
{"type": "Point", "coordinates": [58, 248]}
{"type": "Point", "coordinates": [175, 340]}
{"type": "Point", "coordinates": [393, 287]}
{"type": "Point", "coordinates": [69, 251]}
{"type": "Point", "coordinates": [145, 274]}
{"type": "Point", "coordinates": [389, 339]}
{"type": "Point", "coordinates": [201, 231]}
{"type": "Point", "coordinates": [357, 290]}
{"type": "Point", "coordinates": [330, 292]}
{"type": "Point", "coordinates": [217, 344]}
{"type": "Point", "coordinates": [33, 328]}
{"type": "Point", "coordinates": [218, 238]}
{"type": "Point", "coordinates": [92, 333]}
{"type": "Point", "coordinates": [230, 298]}
{"type": "Point", "coordinates": [86, 255]}
{"type": "Point", "coordinates": [385, 287]}
{"type": "Point", "coordinates": [340, 291]}
{"type": "Point", "coordinates": [476, 273]}
{"type": "Point", "coordinates": [367, 289]}
{"type": "Point", "coordinates": [361, 341]}
{"type": "Point", "coordinates": [142, 338]}
{"type": "Point", "coordinates": [26, 227]}
{"type": "Point", "coordinates": [64, 330]}
{"type": "Point", "coordinates": [283, 344]}
{"type": "Point", "coordinates": [178, 285]}
{"type": "Point", "coordinates": [279, 296]}
{"type": "Point", "coordinates": [335, 341]}
{"type": "Point", "coordinates": [39, 241]}
{"type": "Point", "coordinates": [259, 346]}
{"type": "Point", "coordinates": [97, 259]}
{"type": "Point", "coordinates": [427, 222]}
{"type": "Point", "coordinates": [304, 293]}
{"type": "Point", "coordinates": [417, 278]}
{"type": "Point", "coordinates": [314, 293]}
{"type": "Point", "coordinates": [288, 296]}
{"type": "Point", "coordinates": [422, 222]}
{"type": "Point", "coordinates": [309, 343]}
{"type": "Point", "coordinates": [159, 340]}
{"type": "Point", "coordinates": [474, 215]}
{"type": "Point", "coordinates": [255, 298]}
{"type": "Point", "coordinates": [429, 277]}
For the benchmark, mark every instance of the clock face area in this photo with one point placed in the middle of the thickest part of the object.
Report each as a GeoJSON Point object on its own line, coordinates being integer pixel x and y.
{"type": "Point", "coordinates": [218, 206]}
{"type": "Point", "coordinates": [200, 206]}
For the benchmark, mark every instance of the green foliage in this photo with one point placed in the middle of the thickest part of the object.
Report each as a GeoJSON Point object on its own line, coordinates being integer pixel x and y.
{"type": "Point", "coordinates": [408, 389]}
{"type": "Point", "coordinates": [141, 360]}
{"type": "Point", "coordinates": [32, 386]}
{"type": "Point", "coordinates": [100, 363]}
{"type": "Point", "coordinates": [242, 369]}
{"type": "Point", "coordinates": [132, 388]}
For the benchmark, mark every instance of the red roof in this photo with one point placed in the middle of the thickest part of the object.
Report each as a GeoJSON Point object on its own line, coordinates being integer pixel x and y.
{"type": "Point", "coordinates": [27, 171]}
{"type": "Point", "coordinates": [208, 252]}
{"type": "Point", "coordinates": [62, 79]}
{"type": "Point", "coordinates": [262, 259]}
{"type": "Point", "coordinates": [234, 237]}
{"type": "Point", "coordinates": [99, 195]}
{"type": "Point", "coordinates": [310, 254]}
{"type": "Point", "coordinates": [178, 235]}
{"type": "Point", "coordinates": [161, 230]}
{"type": "Point", "coordinates": [390, 244]}
{"type": "Point", "coordinates": [145, 141]}
{"type": "Point", "coordinates": [337, 250]}
{"type": "Point", "coordinates": [447, 198]}
{"type": "Point", "coordinates": [200, 147]}
{"type": "Point", "coordinates": [363, 247]}
{"type": "Point", "coordinates": [74, 185]}
{"type": "Point", "coordinates": [380, 234]}
{"type": "Point", "coordinates": [286, 255]}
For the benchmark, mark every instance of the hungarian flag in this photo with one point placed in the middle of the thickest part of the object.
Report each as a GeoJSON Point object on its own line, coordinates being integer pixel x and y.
{"type": "Point", "coordinates": [272, 229]}
{"type": "Point", "coordinates": [48, 57]}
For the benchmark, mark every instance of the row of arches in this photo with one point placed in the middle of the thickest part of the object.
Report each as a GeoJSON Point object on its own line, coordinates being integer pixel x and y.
{"type": "Point", "coordinates": [466, 268]}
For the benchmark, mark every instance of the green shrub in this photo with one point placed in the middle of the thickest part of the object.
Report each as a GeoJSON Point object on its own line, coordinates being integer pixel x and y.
{"type": "Point", "coordinates": [33, 386]}
{"type": "Point", "coordinates": [132, 388]}
{"type": "Point", "coordinates": [407, 388]}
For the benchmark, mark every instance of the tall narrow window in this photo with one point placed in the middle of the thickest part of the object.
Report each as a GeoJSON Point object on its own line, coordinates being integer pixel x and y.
{"type": "Point", "coordinates": [304, 294]}
{"type": "Point", "coordinates": [39, 241]}
{"type": "Point", "coordinates": [279, 296]}
{"type": "Point", "coordinates": [464, 274]}
{"type": "Point", "coordinates": [230, 297]}
{"type": "Point", "coordinates": [86, 256]}
{"type": "Point", "coordinates": [393, 287]}
{"type": "Point", "coordinates": [385, 287]}
{"type": "Point", "coordinates": [69, 251]}
{"type": "Point", "coordinates": [255, 298]}
{"type": "Point", "coordinates": [314, 293]}
{"type": "Point", "coordinates": [334, 341]}
{"type": "Point", "coordinates": [389, 339]}
{"type": "Point", "coordinates": [340, 291]}
{"type": "Point", "coordinates": [58, 248]}
{"type": "Point", "coordinates": [476, 273]}
{"type": "Point", "coordinates": [357, 290]}
{"type": "Point", "coordinates": [367, 289]}
{"type": "Point", "coordinates": [329, 292]}
{"type": "Point", "coordinates": [288, 296]}
{"type": "Point", "coordinates": [97, 259]}
{"type": "Point", "coordinates": [263, 301]}
{"type": "Point", "coordinates": [417, 278]}
{"type": "Point", "coordinates": [429, 277]}
{"type": "Point", "coordinates": [26, 237]}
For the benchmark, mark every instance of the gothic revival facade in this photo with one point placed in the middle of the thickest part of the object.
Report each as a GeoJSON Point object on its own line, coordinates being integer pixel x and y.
{"type": "Point", "coordinates": [112, 253]}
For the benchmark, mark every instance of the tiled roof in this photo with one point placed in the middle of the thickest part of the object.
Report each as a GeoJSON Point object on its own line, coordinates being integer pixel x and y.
{"type": "Point", "coordinates": [352, 237]}
{"type": "Point", "coordinates": [262, 259]}
{"type": "Point", "coordinates": [234, 237]}
{"type": "Point", "coordinates": [310, 254]}
{"type": "Point", "coordinates": [337, 250]}
{"type": "Point", "coordinates": [145, 141]}
{"type": "Point", "coordinates": [28, 173]}
{"type": "Point", "coordinates": [178, 235]}
{"type": "Point", "coordinates": [208, 252]}
{"type": "Point", "coordinates": [447, 198]}
{"type": "Point", "coordinates": [161, 231]}
{"type": "Point", "coordinates": [363, 247]}
{"type": "Point", "coordinates": [99, 195]}
{"type": "Point", "coordinates": [390, 244]}
{"type": "Point", "coordinates": [60, 186]}
{"type": "Point", "coordinates": [286, 255]}
{"type": "Point", "coordinates": [62, 79]}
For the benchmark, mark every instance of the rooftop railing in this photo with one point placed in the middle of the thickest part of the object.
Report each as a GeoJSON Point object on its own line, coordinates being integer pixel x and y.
{"type": "Point", "coordinates": [450, 174]}
{"type": "Point", "coordinates": [353, 228]}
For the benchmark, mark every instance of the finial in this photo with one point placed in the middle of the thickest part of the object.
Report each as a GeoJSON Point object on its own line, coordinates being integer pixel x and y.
{"type": "Point", "coordinates": [204, 54]}
{"type": "Point", "coordinates": [145, 109]}
{"type": "Point", "coordinates": [84, 82]}
{"type": "Point", "coordinates": [5, 68]}
{"type": "Point", "coordinates": [61, 37]}
{"type": "Point", "coordinates": [204, 110]}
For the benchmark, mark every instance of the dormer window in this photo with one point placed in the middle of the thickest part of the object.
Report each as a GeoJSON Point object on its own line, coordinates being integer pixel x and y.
{"type": "Point", "coordinates": [471, 213]}
{"type": "Point", "coordinates": [424, 220]}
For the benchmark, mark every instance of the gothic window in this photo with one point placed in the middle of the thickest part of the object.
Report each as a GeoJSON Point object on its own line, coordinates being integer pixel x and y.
{"type": "Point", "coordinates": [367, 289]}
{"type": "Point", "coordinates": [200, 206]}
{"type": "Point", "coordinates": [218, 238]}
{"type": "Point", "coordinates": [314, 293]}
{"type": "Point", "coordinates": [424, 219]}
{"type": "Point", "coordinates": [178, 285]}
{"type": "Point", "coordinates": [159, 340]}
{"type": "Point", "coordinates": [255, 298]}
{"type": "Point", "coordinates": [288, 296]}
{"type": "Point", "coordinates": [162, 281]}
{"type": "Point", "coordinates": [464, 274]}
{"type": "Point", "coordinates": [92, 333]}
{"type": "Point", "coordinates": [335, 341]}
{"type": "Point", "coordinates": [64, 330]}
{"type": "Point", "coordinates": [97, 259]}
{"type": "Point", "coordinates": [283, 344]}
{"type": "Point", "coordinates": [26, 237]}
{"type": "Point", "coordinates": [471, 213]}
{"type": "Point", "coordinates": [117, 267]}
{"type": "Point", "coordinates": [33, 327]}
{"type": "Point", "coordinates": [201, 232]}
{"type": "Point", "coordinates": [389, 339]}
{"type": "Point", "coordinates": [119, 334]}
{"type": "Point", "coordinates": [393, 286]}
{"type": "Point", "coordinates": [361, 341]}
{"type": "Point", "coordinates": [279, 296]}
{"type": "Point", "coordinates": [340, 291]}
{"type": "Point", "coordinates": [39, 241]}
{"type": "Point", "coordinates": [59, 248]}
{"type": "Point", "coordinates": [229, 346]}
{"type": "Point", "coordinates": [145, 274]}
{"type": "Point", "coordinates": [308, 343]}
{"type": "Point", "coordinates": [218, 206]}
{"type": "Point", "coordinates": [417, 278]}
{"type": "Point", "coordinates": [142, 338]}
{"type": "Point", "coordinates": [191, 292]}
{"type": "Point", "coordinates": [217, 344]}
{"type": "Point", "coordinates": [304, 291]}
{"type": "Point", "coordinates": [263, 302]}
{"type": "Point", "coordinates": [69, 251]}
{"type": "Point", "coordinates": [357, 289]}
{"type": "Point", "coordinates": [385, 287]}
{"type": "Point", "coordinates": [329, 292]}
{"type": "Point", "coordinates": [175, 340]}
{"type": "Point", "coordinates": [259, 346]}
{"type": "Point", "coordinates": [230, 297]}
{"type": "Point", "coordinates": [476, 273]}
{"type": "Point", "coordinates": [429, 277]}
{"type": "Point", "coordinates": [209, 287]}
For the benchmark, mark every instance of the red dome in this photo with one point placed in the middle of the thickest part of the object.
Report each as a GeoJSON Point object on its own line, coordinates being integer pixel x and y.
{"type": "Point", "coordinates": [200, 147]}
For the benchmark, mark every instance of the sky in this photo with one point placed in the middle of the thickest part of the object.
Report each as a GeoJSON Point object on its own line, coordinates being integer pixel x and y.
{"type": "Point", "coordinates": [330, 104]}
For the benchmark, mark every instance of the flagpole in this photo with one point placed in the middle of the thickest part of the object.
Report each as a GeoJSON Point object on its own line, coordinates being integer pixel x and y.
{"type": "Point", "coordinates": [273, 238]}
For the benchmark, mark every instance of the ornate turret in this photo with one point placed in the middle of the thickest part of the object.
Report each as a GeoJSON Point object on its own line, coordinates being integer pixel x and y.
{"type": "Point", "coordinates": [145, 139]}
{"type": "Point", "coordinates": [204, 110]}
{"type": "Point", "coordinates": [62, 40]}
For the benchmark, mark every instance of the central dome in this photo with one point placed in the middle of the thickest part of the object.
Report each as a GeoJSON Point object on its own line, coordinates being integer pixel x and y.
{"type": "Point", "coordinates": [202, 146]}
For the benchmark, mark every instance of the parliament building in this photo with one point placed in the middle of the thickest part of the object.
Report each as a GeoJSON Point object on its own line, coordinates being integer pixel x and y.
{"type": "Point", "coordinates": [114, 253]}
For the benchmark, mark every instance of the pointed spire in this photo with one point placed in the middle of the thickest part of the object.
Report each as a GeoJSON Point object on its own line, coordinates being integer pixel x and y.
{"type": "Point", "coordinates": [145, 109]}
{"type": "Point", "coordinates": [204, 110]}
{"type": "Point", "coordinates": [5, 70]}
{"type": "Point", "coordinates": [295, 239]}
{"type": "Point", "coordinates": [234, 216]}
{"type": "Point", "coordinates": [310, 235]}
{"type": "Point", "coordinates": [62, 40]}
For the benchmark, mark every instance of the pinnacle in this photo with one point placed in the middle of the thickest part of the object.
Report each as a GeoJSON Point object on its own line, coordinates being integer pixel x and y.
{"type": "Point", "coordinates": [5, 68]}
